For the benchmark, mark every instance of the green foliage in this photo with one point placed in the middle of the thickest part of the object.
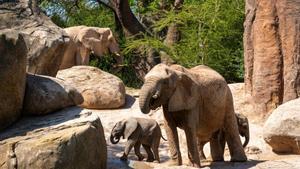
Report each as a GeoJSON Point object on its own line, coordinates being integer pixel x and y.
{"type": "Point", "coordinates": [143, 44]}
{"type": "Point", "coordinates": [211, 33]}
{"type": "Point", "coordinates": [214, 37]}
{"type": "Point", "coordinates": [66, 13]}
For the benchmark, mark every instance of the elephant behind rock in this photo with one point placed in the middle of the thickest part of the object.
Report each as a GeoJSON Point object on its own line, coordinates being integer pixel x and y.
{"type": "Point", "coordinates": [197, 100]}
{"type": "Point", "coordinates": [85, 40]}
{"type": "Point", "coordinates": [138, 131]}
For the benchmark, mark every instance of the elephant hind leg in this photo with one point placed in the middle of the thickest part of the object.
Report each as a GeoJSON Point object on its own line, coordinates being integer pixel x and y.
{"type": "Point", "coordinates": [200, 149]}
{"type": "Point", "coordinates": [233, 139]}
{"type": "Point", "coordinates": [155, 152]}
{"type": "Point", "coordinates": [150, 157]}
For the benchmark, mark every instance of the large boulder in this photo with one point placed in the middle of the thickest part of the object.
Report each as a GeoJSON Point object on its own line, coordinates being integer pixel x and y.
{"type": "Point", "coordinates": [99, 89]}
{"type": "Point", "coordinates": [12, 74]}
{"type": "Point", "coordinates": [46, 94]}
{"type": "Point", "coordinates": [45, 41]}
{"type": "Point", "coordinates": [72, 138]}
{"type": "Point", "coordinates": [272, 52]}
{"type": "Point", "coordinates": [282, 129]}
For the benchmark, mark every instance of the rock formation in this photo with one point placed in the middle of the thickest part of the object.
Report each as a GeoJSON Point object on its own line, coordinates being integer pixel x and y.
{"type": "Point", "coordinates": [282, 129]}
{"type": "Point", "coordinates": [272, 52]}
{"type": "Point", "coordinates": [46, 94]}
{"type": "Point", "coordinates": [99, 89]}
{"type": "Point", "coordinates": [68, 139]}
{"type": "Point", "coordinates": [45, 41]}
{"type": "Point", "coordinates": [12, 74]}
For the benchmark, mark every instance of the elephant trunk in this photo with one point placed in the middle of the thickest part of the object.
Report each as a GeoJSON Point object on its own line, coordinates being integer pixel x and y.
{"type": "Point", "coordinates": [120, 60]}
{"type": "Point", "coordinates": [146, 94]}
{"type": "Point", "coordinates": [247, 138]}
{"type": "Point", "coordinates": [114, 140]}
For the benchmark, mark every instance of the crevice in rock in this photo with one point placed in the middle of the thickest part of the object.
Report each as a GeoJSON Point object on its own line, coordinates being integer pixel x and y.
{"type": "Point", "coordinates": [12, 161]}
{"type": "Point", "coordinates": [249, 47]}
{"type": "Point", "coordinates": [279, 43]}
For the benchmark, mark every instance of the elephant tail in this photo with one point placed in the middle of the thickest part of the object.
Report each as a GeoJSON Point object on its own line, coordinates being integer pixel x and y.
{"type": "Point", "coordinates": [163, 138]}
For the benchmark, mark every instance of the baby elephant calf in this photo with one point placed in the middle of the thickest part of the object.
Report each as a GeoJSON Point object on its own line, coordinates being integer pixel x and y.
{"type": "Point", "coordinates": [138, 131]}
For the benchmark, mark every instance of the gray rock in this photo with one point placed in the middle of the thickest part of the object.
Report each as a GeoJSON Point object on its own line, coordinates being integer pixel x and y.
{"type": "Point", "coordinates": [69, 139]}
{"type": "Point", "coordinates": [45, 41]}
{"type": "Point", "coordinates": [12, 74]}
{"type": "Point", "coordinates": [99, 89]}
{"type": "Point", "coordinates": [46, 94]}
{"type": "Point", "coordinates": [282, 129]}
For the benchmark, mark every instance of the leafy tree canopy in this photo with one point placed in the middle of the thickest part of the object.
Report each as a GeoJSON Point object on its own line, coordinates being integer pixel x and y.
{"type": "Point", "coordinates": [211, 32]}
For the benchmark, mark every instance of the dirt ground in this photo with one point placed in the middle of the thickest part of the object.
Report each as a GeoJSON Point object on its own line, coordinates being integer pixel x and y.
{"type": "Point", "coordinates": [258, 152]}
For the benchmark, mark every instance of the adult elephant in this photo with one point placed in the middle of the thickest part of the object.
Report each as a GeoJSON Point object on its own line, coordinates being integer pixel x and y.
{"type": "Point", "coordinates": [85, 40]}
{"type": "Point", "coordinates": [197, 100]}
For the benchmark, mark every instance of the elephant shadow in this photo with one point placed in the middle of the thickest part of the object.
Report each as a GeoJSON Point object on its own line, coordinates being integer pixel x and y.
{"type": "Point", "coordinates": [129, 101]}
{"type": "Point", "coordinates": [230, 165]}
{"type": "Point", "coordinates": [115, 151]}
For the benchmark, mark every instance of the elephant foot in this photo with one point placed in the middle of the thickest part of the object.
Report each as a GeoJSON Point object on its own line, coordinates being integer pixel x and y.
{"type": "Point", "coordinates": [141, 157]}
{"type": "Point", "coordinates": [176, 161]}
{"type": "Point", "coordinates": [150, 160]}
{"type": "Point", "coordinates": [194, 165]}
{"type": "Point", "coordinates": [221, 159]}
{"type": "Point", "coordinates": [202, 156]}
{"type": "Point", "coordinates": [158, 161]}
{"type": "Point", "coordinates": [123, 158]}
{"type": "Point", "coordinates": [172, 163]}
{"type": "Point", "coordinates": [242, 158]}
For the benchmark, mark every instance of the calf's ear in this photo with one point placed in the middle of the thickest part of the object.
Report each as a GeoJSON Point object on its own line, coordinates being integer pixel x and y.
{"type": "Point", "coordinates": [130, 127]}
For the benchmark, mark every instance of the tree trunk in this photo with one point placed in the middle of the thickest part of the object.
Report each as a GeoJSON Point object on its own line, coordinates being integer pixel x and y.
{"type": "Point", "coordinates": [129, 22]}
{"type": "Point", "coordinates": [272, 53]}
{"type": "Point", "coordinates": [173, 34]}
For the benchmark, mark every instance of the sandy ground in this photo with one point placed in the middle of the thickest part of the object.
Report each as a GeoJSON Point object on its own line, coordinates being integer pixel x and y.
{"type": "Point", "coordinates": [258, 152]}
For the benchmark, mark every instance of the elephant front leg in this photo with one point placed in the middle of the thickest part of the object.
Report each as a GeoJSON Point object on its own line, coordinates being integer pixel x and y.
{"type": "Point", "coordinates": [137, 151]}
{"type": "Point", "coordinates": [232, 137]}
{"type": "Point", "coordinates": [191, 141]}
{"type": "Point", "coordinates": [173, 141]}
{"type": "Point", "coordinates": [128, 147]}
{"type": "Point", "coordinates": [150, 157]}
{"type": "Point", "coordinates": [217, 145]}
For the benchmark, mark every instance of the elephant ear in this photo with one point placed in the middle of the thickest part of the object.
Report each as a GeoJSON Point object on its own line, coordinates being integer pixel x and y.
{"type": "Point", "coordinates": [90, 42]}
{"type": "Point", "coordinates": [88, 37]}
{"type": "Point", "coordinates": [113, 44]}
{"type": "Point", "coordinates": [104, 34]}
{"type": "Point", "coordinates": [183, 92]}
{"type": "Point", "coordinates": [130, 126]}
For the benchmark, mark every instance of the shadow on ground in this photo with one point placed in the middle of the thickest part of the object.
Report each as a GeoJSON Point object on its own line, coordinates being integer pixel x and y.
{"type": "Point", "coordinates": [31, 123]}
{"type": "Point", "coordinates": [235, 165]}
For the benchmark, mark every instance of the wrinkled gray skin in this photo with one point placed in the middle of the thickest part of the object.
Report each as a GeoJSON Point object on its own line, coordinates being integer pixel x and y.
{"type": "Point", "coordinates": [243, 125]}
{"type": "Point", "coordinates": [138, 131]}
{"type": "Point", "coordinates": [197, 100]}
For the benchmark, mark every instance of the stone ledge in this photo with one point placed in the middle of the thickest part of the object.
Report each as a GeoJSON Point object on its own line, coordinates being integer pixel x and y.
{"type": "Point", "coordinates": [71, 138]}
